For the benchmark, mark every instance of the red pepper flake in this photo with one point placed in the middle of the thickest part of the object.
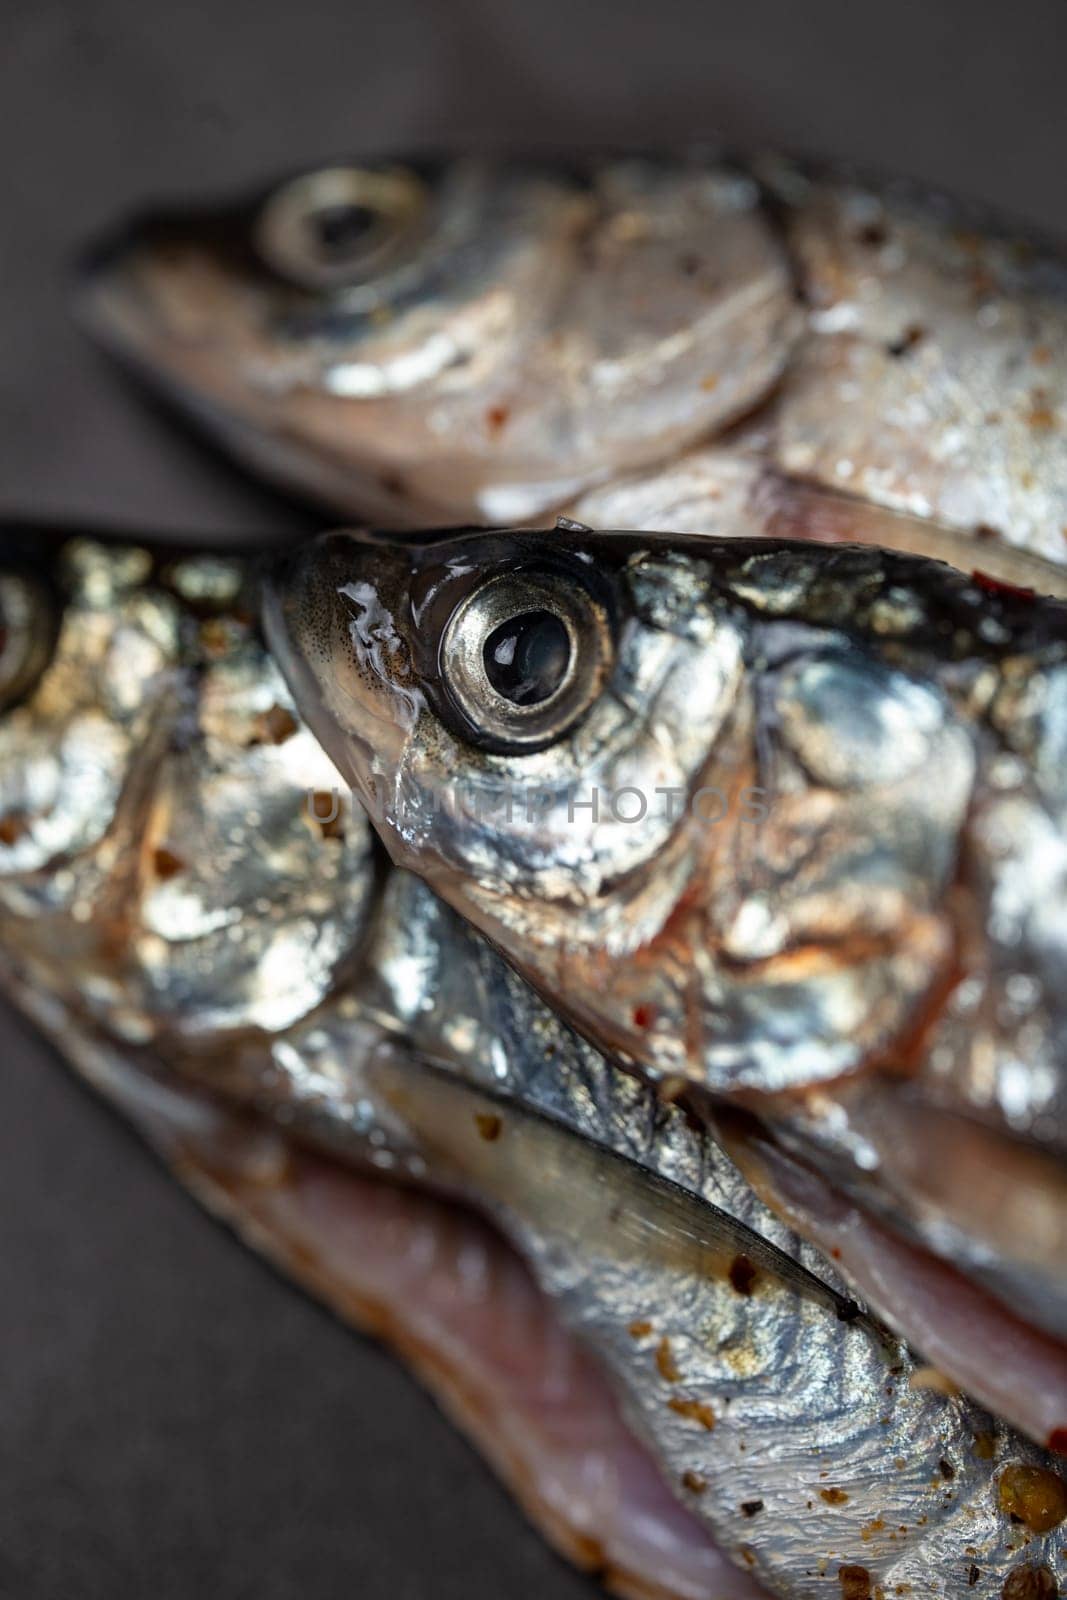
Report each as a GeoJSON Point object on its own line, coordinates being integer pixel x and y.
{"type": "Point", "coordinates": [991, 585]}
{"type": "Point", "coordinates": [644, 1016]}
{"type": "Point", "coordinates": [496, 418]}
{"type": "Point", "coordinates": [742, 1275]}
{"type": "Point", "coordinates": [13, 827]}
{"type": "Point", "coordinates": [1057, 1441]}
{"type": "Point", "coordinates": [911, 336]}
{"type": "Point", "coordinates": [855, 1583]}
{"type": "Point", "coordinates": [694, 1411]}
{"type": "Point", "coordinates": [166, 864]}
{"type": "Point", "coordinates": [668, 1367]}
{"type": "Point", "coordinates": [274, 726]}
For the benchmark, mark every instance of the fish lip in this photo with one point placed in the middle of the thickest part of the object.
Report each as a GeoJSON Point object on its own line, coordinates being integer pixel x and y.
{"type": "Point", "coordinates": [106, 302]}
{"type": "Point", "coordinates": [94, 276]}
{"type": "Point", "coordinates": [97, 256]}
{"type": "Point", "coordinates": [105, 298]}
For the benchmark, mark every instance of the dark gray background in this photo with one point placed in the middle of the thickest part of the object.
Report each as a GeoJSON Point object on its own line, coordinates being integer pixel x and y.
{"type": "Point", "coordinates": [174, 1420]}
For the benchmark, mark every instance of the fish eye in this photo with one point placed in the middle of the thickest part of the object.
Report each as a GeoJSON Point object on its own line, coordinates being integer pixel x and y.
{"type": "Point", "coordinates": [27, 634]}
{"type": "Point", "coordinates": [339, 226]}
{"type": "Point", "coordinates": [523, 657]}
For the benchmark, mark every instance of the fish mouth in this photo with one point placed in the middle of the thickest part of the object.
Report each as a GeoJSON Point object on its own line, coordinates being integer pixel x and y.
{"type": "Point", "coordinates": [164, 310]}
{"type": "Point", "coordinates": [138, 278]}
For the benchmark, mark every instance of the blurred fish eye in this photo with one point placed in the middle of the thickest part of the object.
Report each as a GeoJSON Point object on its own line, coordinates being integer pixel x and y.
{"type": "Point", "coordinates": [27, 632]}
{"type": "Point", "coordinates": [340, 225]}
{"type": "Point", "coordinates": [523, 657]}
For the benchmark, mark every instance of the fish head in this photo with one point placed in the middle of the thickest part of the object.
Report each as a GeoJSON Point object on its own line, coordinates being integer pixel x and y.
{"type": "Point", "coordinates": [474, 688]}
{"type": "Point", "coordinates": [471, 686]}
{"type": "Point", "coordinates": [681, 816]}
{"type": "Point", "coordinates": [425, 342]}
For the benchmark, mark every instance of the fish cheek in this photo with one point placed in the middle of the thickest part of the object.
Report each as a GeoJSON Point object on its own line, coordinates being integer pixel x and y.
{"type": "Point", "coordinates": [793, 922]}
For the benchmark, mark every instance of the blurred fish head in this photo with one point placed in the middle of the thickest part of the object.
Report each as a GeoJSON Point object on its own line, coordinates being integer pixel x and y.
{"type": "Point", "coordinates": [457, 340]}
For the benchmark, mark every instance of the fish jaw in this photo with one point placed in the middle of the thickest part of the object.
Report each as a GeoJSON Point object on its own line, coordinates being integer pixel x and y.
{"type": "Point", "coordinates": [522, 333]}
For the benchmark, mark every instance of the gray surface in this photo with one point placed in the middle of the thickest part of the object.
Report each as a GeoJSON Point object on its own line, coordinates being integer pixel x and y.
{"type": "Point", "coordinates": [175, 1421]}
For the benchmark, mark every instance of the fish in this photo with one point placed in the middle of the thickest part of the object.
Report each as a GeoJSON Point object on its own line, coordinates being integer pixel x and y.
{"type": "Point", "coordinates": [778, 827]}
{"type": "Point", "coordinates": [467, 340]}
{"type": "Point", "coordinates": [682, 1392]}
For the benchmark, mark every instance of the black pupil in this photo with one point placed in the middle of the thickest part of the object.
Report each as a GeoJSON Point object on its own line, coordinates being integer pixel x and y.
{"type": "Point", "coordinates": [339, 228]}
{"type": "Point", "coordinates": [526, 658]}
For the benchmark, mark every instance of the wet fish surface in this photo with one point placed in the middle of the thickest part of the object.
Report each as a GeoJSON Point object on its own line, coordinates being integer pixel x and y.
{"type": "Point", "coordinates": [787, 1423]}
{"type": "Point", "coordinates": [780, 827]}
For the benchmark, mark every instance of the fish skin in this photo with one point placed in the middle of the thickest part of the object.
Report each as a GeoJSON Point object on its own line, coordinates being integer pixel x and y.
{"type": "Point", "coordinates": [349, 1077]}
{"type": "Point", "coordinates": [850, 963]}
{"type": "Point", "coordinates": [130, 760]}
{"type": "Point", "coordinates": [730, 489]}
{"type": "Point", "coordinates": [937, 383]}
{"type": "Point", "coordinates": [889, 344]}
